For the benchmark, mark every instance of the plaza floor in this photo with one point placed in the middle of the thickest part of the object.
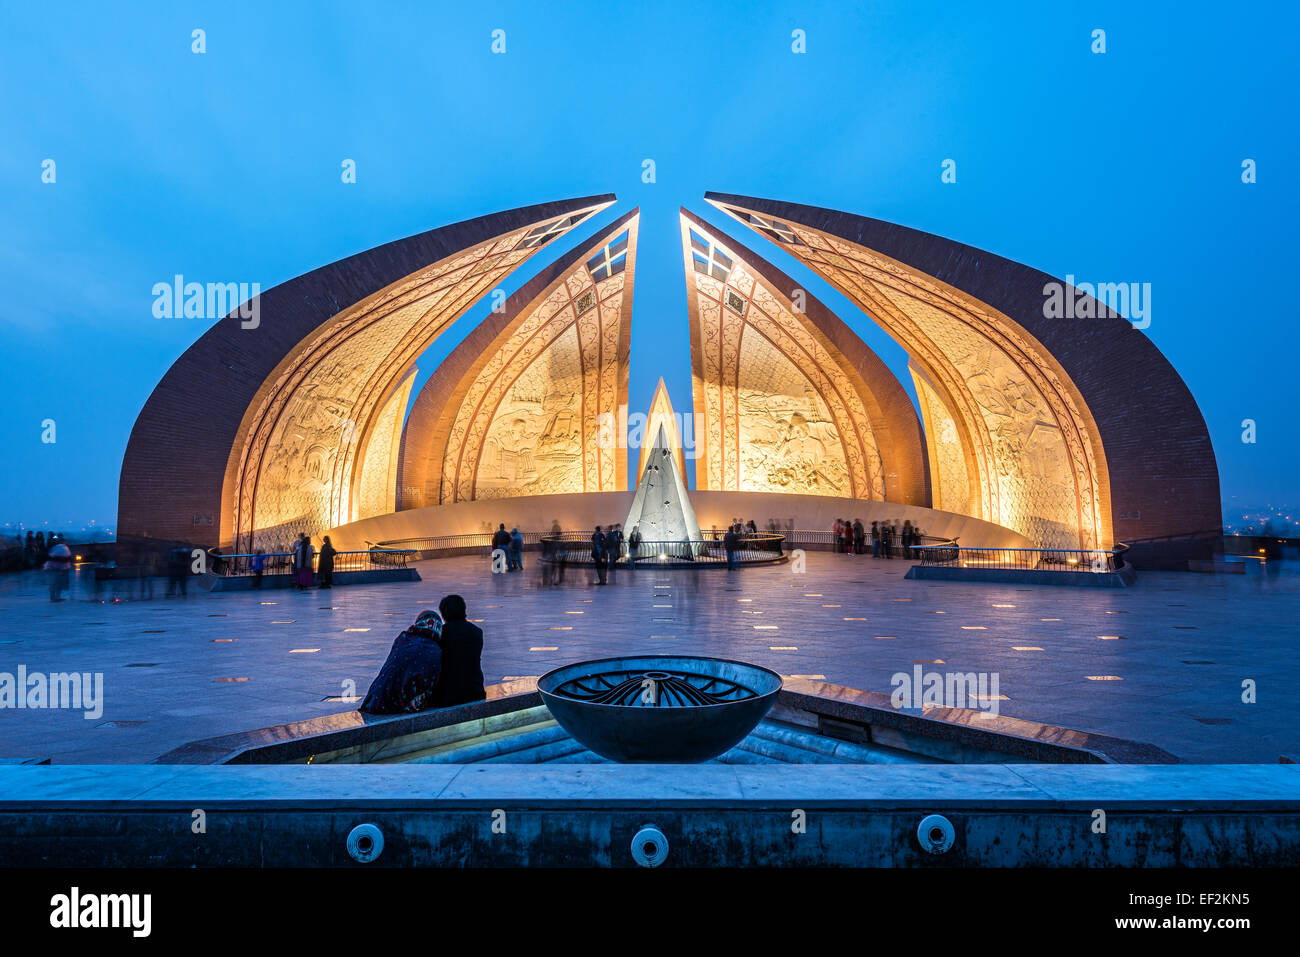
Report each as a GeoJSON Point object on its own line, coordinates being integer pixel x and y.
{"type": "Point", "coordinates": [1162, 662]}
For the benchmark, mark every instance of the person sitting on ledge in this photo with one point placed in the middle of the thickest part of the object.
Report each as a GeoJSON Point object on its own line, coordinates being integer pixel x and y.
{"type": "Point", "coordinates": [462, 650]}
{"type": "Point", "coordinates": [408, 680]}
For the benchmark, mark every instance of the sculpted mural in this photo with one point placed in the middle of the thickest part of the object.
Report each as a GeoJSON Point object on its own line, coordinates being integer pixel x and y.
{"type": "Point", "coordinates": [532, 421]}
{"type": "Point", "coordinates": [1022, 426]}
{"type": "Point", "coordinates": [780, 413]}
{"type": "Point", "coordinates": [295, 469]}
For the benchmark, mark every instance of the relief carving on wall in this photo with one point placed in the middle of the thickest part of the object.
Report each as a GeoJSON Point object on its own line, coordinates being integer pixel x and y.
{"type": "Point", "coordinates": [780, 413]}
{"type": "Point", "coordinates": [1024, 426]}
{"type": "Point", "coordinates": [296, 465]}
{"type": "Point", "coordinates": [531, 422]}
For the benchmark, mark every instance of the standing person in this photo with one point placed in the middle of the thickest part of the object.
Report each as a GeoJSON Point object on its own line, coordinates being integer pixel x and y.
{"type": "Point", "coordinates": [409, 677]}
{"type": "Point", "coordinates": [598, 554]}
{"type": "Point", "coordinates": [306, 552]}
{"type": "Point", "coordinates": [614, 544]}
{"type": "Point", "coordinates": [516, 549]}
{"type": "Point", "coordinates": [875, 539]}
{"type": "Point", "coordinates": [729, 542]}
{"type": "Point", "coordinates": [461, 642]}
{"type": "Point", "coordinates": [859, 536]}
{"type": "Point", "coordinates": [848, 538]}
{"type": "Point", "coordinates": [59, 565]}
{"type": "Point", "coordinates": [501, 543]}
{"type": "Point", "coordinates": [837, 533]}
{"type": "Point", "coordinates": [326, 564]}
{"type": "Point", "coordinates": [887, 540]}
{"type": "Point", "coordinates": [258, 566]}
{"type": "Point", "coordinates": [753, 528]}
{"type": "Point", "coordinates": [633, 546]}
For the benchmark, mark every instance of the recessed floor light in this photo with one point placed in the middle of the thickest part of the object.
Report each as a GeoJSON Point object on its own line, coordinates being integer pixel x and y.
{"type": "Point", "coordinates": [1104, 678]}
{"type": "Point", "coordinates": [583, 612]}
{"type": "Point", "coordinates": [812, 595]}
{"type": "Point", "coordinates": [561, 628]}
{"type": "Point", "coordinates": [973, 628]}
{"type": "Point", "coordinates": [765, 628]}
{"type": "Point", "coordinates": [855, 619]}
{"type": "Point", "coordinates": [303, 651]}
{"type": "Point", "coordinates": [1004, 606]}
{"type": "Point", "coordinates": [356, 629]}
{"type": "Point", "coordinates": [1025, 648]}
{"type": "Point", "coordinates": [783, 647]}
{"type": "Point", "coordinates": [545, 648]}
{"type": "Point", "coordinates": [832, 606]}
{"type": "Point", "coordinates": [886, 637]}
{"type": "Point", "coordinates": [220, 640]}
{"type": "Point", "coordinates": [1049, 619]}
{"type": "Point", "coordinates": [284, 621]}
{"type": "Point", "coordinates": [1111, 637]}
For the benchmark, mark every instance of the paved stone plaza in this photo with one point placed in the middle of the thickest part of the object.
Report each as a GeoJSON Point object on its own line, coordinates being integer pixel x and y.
{"type": "Point", "coordinates": [177, 670]}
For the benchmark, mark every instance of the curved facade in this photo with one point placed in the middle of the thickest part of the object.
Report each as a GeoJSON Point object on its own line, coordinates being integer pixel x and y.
{"type": "Point", "coordinates": [531, 403]}
{"type": "Point", "coordinates": [792, 400]}
{"type": "Point", "coordinates": [258, 433]}
{"type": "Point", "coordinates": [1075, 433]}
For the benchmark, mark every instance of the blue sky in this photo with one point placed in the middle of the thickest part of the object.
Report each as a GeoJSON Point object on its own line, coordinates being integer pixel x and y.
{"type": "Point", "coordinates": [1124, 166]}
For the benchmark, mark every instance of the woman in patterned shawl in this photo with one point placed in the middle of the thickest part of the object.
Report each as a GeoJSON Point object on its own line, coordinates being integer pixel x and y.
{"type": "Point", "coordinates": [407, 680]}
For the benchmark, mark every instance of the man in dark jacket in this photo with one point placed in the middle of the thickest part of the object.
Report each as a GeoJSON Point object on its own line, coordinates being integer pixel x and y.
{"type": "Point", "coordinates": [462, 652]}
{"type": "Point", "coordinates": [501, 543]}
{"type": "Point", "coordinates": [598, 554]}
{"type": "Point", "coordinates": [408, 679]}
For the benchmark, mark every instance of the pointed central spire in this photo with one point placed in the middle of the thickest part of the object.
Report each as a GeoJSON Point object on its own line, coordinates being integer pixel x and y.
{"type": "Point", "coordinates": [661, 414]}
{"type": "Point", "coordinates": [661, 508]}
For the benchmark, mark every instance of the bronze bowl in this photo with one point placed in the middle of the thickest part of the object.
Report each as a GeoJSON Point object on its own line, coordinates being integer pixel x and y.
{"type": "Point", "coordinates": [659, 710]}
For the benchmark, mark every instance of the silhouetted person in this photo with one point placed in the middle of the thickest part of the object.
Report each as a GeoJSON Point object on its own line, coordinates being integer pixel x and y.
{"type": "Point", "coordinates": [409, 677]}
{"type": "Point", "coordinates": [633, 546]}
{"type": "Point", "coordinates": [729, 543]}
{"type": "Point", "coordinates": [325, 566]}
{"type": "Point", "coordinates": [516, 550]}
{"type": "Point", "coordinates": [304, 553]}
{"type": "Point", "coordinates": [859, 536]}
{"type": "Point", "coordinates": [598, 554]}
{"type": "Point", "coordinates": [501, 543]}
{"type": "Point", "coordinates": [58, 564]}
{"type": "Point", "coordinates": [613, 545]}
{"type": "Point", "coordinates": [462, 652]}
{"type": "Point", "coordinates": [257, 565]}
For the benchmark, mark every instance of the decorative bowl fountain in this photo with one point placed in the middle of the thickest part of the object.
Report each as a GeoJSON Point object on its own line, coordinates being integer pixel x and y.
{"type": "Point", "coordinates": [659, 710]}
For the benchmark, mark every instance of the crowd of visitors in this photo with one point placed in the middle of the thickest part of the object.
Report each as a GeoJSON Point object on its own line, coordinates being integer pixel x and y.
{"type": "Point", "coordinates": [886, 538]}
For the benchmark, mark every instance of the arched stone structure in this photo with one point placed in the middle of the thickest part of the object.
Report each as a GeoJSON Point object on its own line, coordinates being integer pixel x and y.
{"type": "Point", "coordinates": [532, 401]}
{"type": "Point", "coordinates": [1072, 432]}
{"type": "Point", "coordinates": [288, 425]}
{"type": "Point", "coordinates": [792, 400]}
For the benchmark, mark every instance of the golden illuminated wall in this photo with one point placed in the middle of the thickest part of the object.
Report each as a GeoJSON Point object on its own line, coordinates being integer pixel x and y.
{"type": "Point", "coordinates": [378, 477]}
{"type": "Point", "coordinates": [296, 469]}
{"type": "Point", "coordinates": [781, 413]}
{"type": "Point", "coordinates": [541, 415]}
{"type": "Point", "coordinates": [987, 388]}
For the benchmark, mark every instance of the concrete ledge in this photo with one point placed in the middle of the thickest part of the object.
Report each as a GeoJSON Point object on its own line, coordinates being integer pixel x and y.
{"type": "Point", "coordinates": [713, 815]}
{"type": "Point", "coordinates": [1024, 576]}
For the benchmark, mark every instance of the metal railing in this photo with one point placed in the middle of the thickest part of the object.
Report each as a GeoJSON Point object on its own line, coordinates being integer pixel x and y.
{"type": "Point", "coordinates": [1086, 560]}
{"type": "Point", "coordinates": [750, 549]}
{"type": "Point", "coordinates": [282, 563]}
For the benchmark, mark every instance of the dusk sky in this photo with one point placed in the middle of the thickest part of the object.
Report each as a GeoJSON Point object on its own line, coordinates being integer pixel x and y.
{"type": "Point", "coordinates": [224, 166]}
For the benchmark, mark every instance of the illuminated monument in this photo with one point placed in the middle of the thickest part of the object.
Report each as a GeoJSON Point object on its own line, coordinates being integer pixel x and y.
{"type": "Point", "coordinates": [1032, 432]}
